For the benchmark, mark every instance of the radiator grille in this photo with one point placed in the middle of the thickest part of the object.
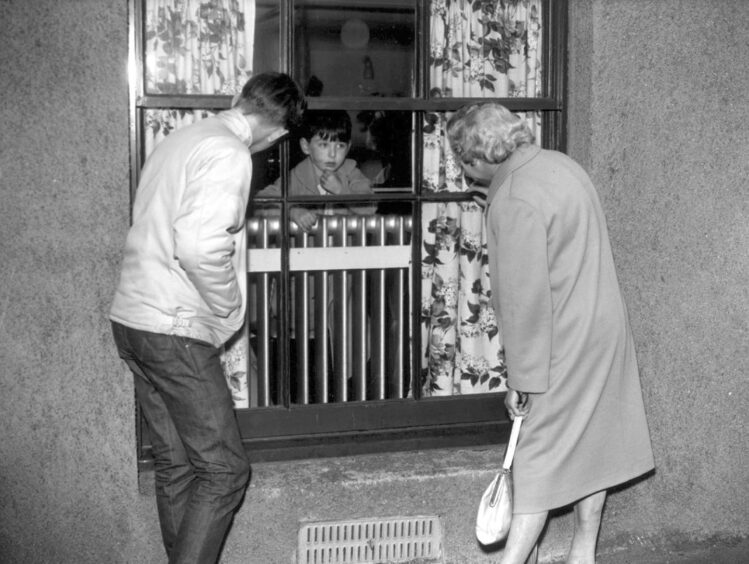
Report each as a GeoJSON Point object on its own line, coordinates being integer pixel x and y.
{"type": "Point", "coordinates": [349, 309]}
{"type": "Point", "coordinates": [394, 540]}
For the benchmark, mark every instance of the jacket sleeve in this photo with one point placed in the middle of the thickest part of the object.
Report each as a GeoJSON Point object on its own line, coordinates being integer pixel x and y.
{"type": "Point", "coordinates": [524, 294]}
{"type": "Point", "coordinates": [271, 191]}
{"type": "Point", "coordinates": [211, 213]}
{"type": "Point", "coordinates": [359, 184]}
{"type": "Point", "coordinates": [266, 209]}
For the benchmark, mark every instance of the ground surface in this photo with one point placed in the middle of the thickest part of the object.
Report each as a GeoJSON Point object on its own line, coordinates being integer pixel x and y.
{"type": "Point", "coordinates": [720, 551]}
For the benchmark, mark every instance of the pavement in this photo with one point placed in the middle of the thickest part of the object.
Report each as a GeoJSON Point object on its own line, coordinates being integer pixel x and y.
{"type": "Point", "coordinates": [715, 551]}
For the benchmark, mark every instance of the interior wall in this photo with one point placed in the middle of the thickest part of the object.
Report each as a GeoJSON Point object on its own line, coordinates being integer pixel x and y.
{"type": "Point", "coordinates": [659, 101]}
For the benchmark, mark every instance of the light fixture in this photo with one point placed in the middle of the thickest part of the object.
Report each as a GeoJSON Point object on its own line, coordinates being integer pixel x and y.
{"type": "Point", "coordinates": [354, 33]}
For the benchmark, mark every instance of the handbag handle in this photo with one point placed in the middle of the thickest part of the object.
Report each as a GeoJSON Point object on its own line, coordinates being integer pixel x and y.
{"type": "Point", "coordinates": [512, 443]}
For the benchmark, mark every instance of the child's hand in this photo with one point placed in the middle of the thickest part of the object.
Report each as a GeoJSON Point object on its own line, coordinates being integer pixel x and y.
{"type": "Point", "coordinates": [330, 182]}
{"type": "Point", "coordinates": [304, 218]}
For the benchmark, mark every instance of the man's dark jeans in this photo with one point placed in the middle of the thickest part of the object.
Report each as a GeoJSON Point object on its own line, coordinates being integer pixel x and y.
{"type": "Point", "coordinates": [200, 464]}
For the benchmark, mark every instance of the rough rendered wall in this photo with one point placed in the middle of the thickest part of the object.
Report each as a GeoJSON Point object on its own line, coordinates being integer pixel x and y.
{"type": "Point", "coordinates": [660, 106]}
{"type": "Point", "coordinates": [68, 490]}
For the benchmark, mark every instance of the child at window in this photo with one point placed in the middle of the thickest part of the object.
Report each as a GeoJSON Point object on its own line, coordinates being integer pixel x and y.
{"type": "Point", "coordinates": [326, 140]}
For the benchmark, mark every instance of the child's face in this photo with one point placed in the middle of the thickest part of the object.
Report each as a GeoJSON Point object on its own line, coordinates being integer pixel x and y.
{"type": "Point", "coordinates": [325, 154]}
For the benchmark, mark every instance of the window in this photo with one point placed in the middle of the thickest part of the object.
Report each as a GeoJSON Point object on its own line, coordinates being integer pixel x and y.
{"type": "Point", "coordinates": [373, 330]}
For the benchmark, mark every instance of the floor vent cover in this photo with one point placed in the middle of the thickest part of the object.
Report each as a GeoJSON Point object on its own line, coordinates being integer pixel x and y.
{"type": "Point", "coordinates": [391, 540]}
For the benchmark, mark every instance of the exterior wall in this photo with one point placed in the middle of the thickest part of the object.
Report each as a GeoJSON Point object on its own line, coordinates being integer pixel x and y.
{"type": "Point", "coordinates": [68, 481]}
{"type": "Point", "coordinates": [659, 101]}
{"type": "Point", "coordinates": [660, 122]}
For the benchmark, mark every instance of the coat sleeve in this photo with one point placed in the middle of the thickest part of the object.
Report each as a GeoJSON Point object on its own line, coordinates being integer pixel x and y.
{"type": "Point", "coordinates": [211, 213]}
{"type": "Point", "coordinates": [270, 191]}
{"type": "Point", "coordinates": [359, 184]}
{"type": "Point", "coordinates": [524, 295]}
{"type": "Point", "coordinates": [267, 209]}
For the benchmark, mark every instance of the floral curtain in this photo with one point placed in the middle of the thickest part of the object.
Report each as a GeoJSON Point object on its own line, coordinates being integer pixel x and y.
{"type": "Point", "coordinates": [478, 49]}
{"type": "Point", "coordinates": [463, 351]}
{"type": "Point", "coordinates": [160, 123]}
{"type": "Point", "coordinates": [199, 46]}
{"type": "Point", "coordinates": [481, 48]}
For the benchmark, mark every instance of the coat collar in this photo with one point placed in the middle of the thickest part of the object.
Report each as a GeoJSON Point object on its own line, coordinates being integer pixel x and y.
{"type": "Point", "coordinates": [517, 159]}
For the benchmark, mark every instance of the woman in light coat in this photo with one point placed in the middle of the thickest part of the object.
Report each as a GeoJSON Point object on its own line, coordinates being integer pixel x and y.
{"type": "Point", "coordinates": [572, 370]}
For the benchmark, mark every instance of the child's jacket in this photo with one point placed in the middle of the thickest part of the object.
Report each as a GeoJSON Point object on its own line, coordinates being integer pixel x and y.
{"type": "Point", "coordinates": [303, 182]}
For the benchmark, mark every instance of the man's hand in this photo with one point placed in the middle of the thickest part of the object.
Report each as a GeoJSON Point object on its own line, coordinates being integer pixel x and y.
{"type": "Point", "coordinates": [304, 218]}
{"type": "Point", "coordinates": [518, 404]}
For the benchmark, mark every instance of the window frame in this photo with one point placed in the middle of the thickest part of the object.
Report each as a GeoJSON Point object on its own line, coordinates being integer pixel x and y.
{"type": "Point", "coordinates": [302, 431]}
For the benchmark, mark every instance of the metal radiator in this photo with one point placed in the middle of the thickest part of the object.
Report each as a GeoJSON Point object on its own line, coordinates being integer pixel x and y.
{"type": "Point", "coordinates": [349, 308]}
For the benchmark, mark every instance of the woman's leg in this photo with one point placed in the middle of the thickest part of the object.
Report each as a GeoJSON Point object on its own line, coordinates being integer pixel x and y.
{"type": "Point", "coordinates": [524, 532]}
{"type": "Point", "coordinates": [587, 524]}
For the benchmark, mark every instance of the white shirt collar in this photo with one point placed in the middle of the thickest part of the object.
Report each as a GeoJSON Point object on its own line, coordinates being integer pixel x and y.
{"type": "Point", "coordinates": [237, 123]}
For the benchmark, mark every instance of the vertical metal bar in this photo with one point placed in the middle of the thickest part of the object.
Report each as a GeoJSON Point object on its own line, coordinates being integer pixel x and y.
{"type": "Point", "coordinates": [263, 326]}
{"type": "Point", "coordinates": [397, 324]}
{"type": "Point", "coordinates": [413, 313]}
{"type": "Point", "coordinates": [340, 336]}
{"type": "Point", "coordinates": [136, 70]}
{"type": "Point", "coordinates": [321, 320]}
{"type": "Point", "coordinates": [301, 327]}
{"type": "Point", "coordinates": [378, 319]}
{"type": "Point", "coordinates": [283, 378]}
{"type": "Point", "coordinates": [359, 349]}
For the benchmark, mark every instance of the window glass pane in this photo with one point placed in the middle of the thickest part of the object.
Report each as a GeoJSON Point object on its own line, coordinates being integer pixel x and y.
{"type": "Point", "coordinates": [198, 46]}
{"type": "Point", "coordinates": [382, 145]}
{"type": "Point", "coordinates": [263, 299]}
{"type": "Point", "coordinates": [485, 48]}
{"type": "Point", "coordinates": [363, 48]}
{"type": "Point", "coordinates": [349, 311]}
{"type": "Point", "coordinates": [158, 123]}
{"type": "Point", "coordinates": [267, 38]}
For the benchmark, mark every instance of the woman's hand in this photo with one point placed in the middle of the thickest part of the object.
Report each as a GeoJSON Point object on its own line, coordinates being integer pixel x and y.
{"type": "Point", "coordinates": [479, 194]}
{"type": "Point", "coordinates": [518, 404]}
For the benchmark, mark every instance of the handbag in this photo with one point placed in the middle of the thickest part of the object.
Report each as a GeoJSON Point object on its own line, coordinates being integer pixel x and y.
{"type": "Point", "coordinates": [495, 508]}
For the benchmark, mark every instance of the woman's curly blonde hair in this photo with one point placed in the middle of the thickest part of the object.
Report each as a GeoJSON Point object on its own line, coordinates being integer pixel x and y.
{"type": "Point", "coordinates": [486, 131]}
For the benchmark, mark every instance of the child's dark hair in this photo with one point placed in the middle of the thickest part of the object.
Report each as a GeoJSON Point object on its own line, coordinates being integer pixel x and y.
{"type": "Point", "coordinates": [330, 125]}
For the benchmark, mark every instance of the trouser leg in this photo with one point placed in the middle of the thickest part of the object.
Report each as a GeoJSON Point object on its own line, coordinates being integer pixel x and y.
{"type": "Point", "coordinates": [194, 419]}
{"type": "Point", "coordinates": [172, 469]}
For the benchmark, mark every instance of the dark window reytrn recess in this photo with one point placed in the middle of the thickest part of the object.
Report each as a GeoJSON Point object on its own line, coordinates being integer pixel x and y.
{"type": "Point", "coordinates": [373, 329]}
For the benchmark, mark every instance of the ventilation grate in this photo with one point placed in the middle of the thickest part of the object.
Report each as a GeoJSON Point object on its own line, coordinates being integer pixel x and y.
{"type": "Point", "coordinates": [393, 540]}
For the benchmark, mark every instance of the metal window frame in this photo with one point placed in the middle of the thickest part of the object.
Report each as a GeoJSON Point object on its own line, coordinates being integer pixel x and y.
{"type": "Point", "coordinates": [291, 431]}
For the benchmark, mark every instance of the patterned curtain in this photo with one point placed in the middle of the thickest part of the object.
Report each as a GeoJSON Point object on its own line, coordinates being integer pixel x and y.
{"type": "Point", "coordinates": [201, 47]}
{"type": "Point", "coordinates": [198, 46]}
{"type": "Point", "coordinates": [485, 48]}
{"type": "Point", "coordinates": [478, 49]}
{"type": "Point", "coordinates": [159, 123]}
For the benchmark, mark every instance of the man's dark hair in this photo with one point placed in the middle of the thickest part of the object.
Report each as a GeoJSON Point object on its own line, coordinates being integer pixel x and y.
{"type": "Point", "coordinates": [330, 125]}
{"type": "Point", "coordinates": [274, 96]}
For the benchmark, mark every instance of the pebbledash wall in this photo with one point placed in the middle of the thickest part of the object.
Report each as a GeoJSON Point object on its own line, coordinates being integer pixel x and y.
{"type": "Point", "coordinates": [659, 102]}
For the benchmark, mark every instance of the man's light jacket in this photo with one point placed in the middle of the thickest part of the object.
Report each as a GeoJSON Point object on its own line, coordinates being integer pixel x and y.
{"type": "Point", "coordinates": [185, 260]}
